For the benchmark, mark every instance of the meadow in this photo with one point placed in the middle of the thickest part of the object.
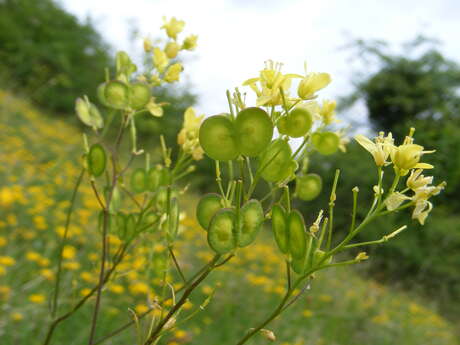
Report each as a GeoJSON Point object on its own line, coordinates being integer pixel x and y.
{"type": "Point", "coordinates": [39, 166]}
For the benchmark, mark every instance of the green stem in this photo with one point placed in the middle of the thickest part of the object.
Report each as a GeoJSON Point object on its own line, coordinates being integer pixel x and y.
{"type": "Point", "coordinates": [54, 304]}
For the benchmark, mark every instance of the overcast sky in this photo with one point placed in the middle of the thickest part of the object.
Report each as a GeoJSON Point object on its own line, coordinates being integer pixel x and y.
{"type": "Point", "coordinates": [236, 37]}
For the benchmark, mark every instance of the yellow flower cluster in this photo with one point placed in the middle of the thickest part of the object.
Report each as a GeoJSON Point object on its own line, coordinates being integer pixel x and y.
{"type": "Point", "coordinates": [405, 159]}
{"type": "Point", "coordinates": [188, 135]}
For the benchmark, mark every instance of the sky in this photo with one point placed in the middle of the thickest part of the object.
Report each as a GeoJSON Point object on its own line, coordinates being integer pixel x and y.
{"type": "Point", "coordinates": [237, 36]}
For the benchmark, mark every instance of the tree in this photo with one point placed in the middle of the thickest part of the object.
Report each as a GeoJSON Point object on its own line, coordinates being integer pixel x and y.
{"type": "Point", "coordinates": [48, 55]}
{"type": "Point", "coordinates": [417, 84]}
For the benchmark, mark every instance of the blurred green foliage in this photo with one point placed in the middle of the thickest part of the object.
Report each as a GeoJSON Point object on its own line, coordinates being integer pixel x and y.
{"type": "Point", "coordinates": [48, 55]}
{"type": "Point", "coordinates": [417, 83]}
{"type": "Point", "coordinates": [416, 88]}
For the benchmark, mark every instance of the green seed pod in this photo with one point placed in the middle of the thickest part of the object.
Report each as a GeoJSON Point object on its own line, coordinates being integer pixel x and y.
{"type": "Point", "coordinates": [207, 207]}
{"type": "Point", "coordinates": [88, 113]}
{"type": "Point", "coordinates": [173, 220]}
{"type": "Point", "coordinates": [326, 143]}
{"type": "Point", "coordinates": [318, 255]}
{"type": "Point", "coordinates": [218, 139]}
{"type": "Point", "coordinates": [274, 160]}
{"type": "Point", "coordinates": [298, 265]}
{"type": "Point", "coordinates": [299, 122]}
{"type": "Point", "coordinates": [282, 125]}
{"type": "Point", "coordinates": [115, 202]}
{"type": "Point", "coordinates": [120, 224]}
{"type": "Point", "coordinates": [151, 220]}
{"type": "Point", "coordinates": [96, 160]}
{"type": "Point", "coordinates": [139, 180]}
{"type": "Point", "coordinates": [280, 229]}
{"type": "Point", "coordinates": [308, 186]}
{"type": "Point", "coordinates": [140, 95]}
{"type": "Point", "coordinates": [158, 177]}
{"type": "Point", "coordinates": [101, 94]}
{"type": "Point", "coordinates": [130, 226]}
{"type": "Point", "coordinates": [117, 94]}
{"type": "Point", "coordinates": [250, 222]}
{"type": "Point", "coordinates": [297, 235]}
{"type": "Point", "coordinates": [160, 199]}
{"type": "Point", "coordinates": [221, 231]}
{"type": "Point", "coordinates": [254, 131]}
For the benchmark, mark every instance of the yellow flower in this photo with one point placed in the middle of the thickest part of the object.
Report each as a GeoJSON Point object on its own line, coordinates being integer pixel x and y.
{"type": "Point", "coordinates": [141, 308]}
{"type": "Point", "coordinates": [139, 288]}
{"type": "Point", "coordinates": [173, 73]}
{"type": "Point", "coordinates": [173, 27]}
{"type": "Point", "coordinates": [172, 49]}
{"type": "Point", "coordinates": [307, 313]}
{"type": "Point", "coordinates": [69, 252]}
{"type": "Point", "coordinates": [361, 256]}
{"type": "Point", "coordinates": [380, 149]}
{"type": "Point", "coordinates": [188, 136]}
{"type": "Point", "coordinates": [416, 180]}
{"type": "Point", "coordinates": [160, 60]}
{"type": "Point", "coordinates": [155, 109]}
{"type": "Point", "coordinates": [47, 274]}
{"type": "Point", "coordinates": [312, 83]}
{"type": "Point", "coordinates": [15, 316]}
{"type": "Point", "coordinates": [7, 261]}
{"type": "Point", "coordinates": [116, 288]}
{"type": "Point", "coordinates": [327, 112]}
{"type": "Point", "coordinates": [271, 80]}
{"type": "Point", "coordinates": [422, 205]}
{"type": "Point", "coordinates": [395, 200]}
{"type": "Point", "coordinates": [37, 298]}
{"type": "Point", "coordinates": [7, 196]}
{"type": "Point", "coordinates": [190, 42]}
{"type": "Point", "coordinates": [147, 45]}
{"type": "Point", "coordinates": [3, 241]}
{"type": "Point", "coordinates": [32, 256]}
{"type": "Point", "coordinates": [407, 156]}
{"type": "Point", "coordinates": [85, 292]}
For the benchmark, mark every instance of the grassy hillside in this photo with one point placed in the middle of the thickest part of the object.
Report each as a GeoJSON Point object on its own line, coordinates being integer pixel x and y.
{"type": "Point", "coordinates": [39, 164]}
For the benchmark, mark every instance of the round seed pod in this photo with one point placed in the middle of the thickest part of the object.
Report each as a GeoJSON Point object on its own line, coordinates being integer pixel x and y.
{"type": "Point", "coordinates": [139, 180]}
{"type": "Point", "coordinates": [101, 94]}
{"type": "Point", "coordinates": [280, 229]}
{"type": "Point", "coordinates": [218, 139]}
{"type": "Point", "coordinates": [326, 143]}
{"type": "Point", "coordinates": [318, 255]}
{"type": "Point", "coordinates": [274, 160]}
{"type": "Point", "coordinates": [157, 177]}
{"type": "Point", "coordinates": [151, 220]}
{"type": "Point", "coordinates": [96, 160]}
{"type": "Point", "coordinates": [297, 235]}
{"type": "Point", "coordinates": [308, 187]}
{"type": "Point", "coordinates": [282, 125]}
{"type": "Point", "coordinates": [117, 94]}
{"type": "Point", "coordinates": [254, 131]}
{"type": "Point", "coordinates": [298, 265]}
{"type": "Point", "coordinates": [299, 122]}
{"type": "Point", "coordinates": [221, 231]}
{"type": "Point", "coordinates": [207, 207]}
{"type": "Point", "coordinates": [250, 222]}
{"type": "Point", "coordinates": [140, 95]}
{"type": "Point", "coordinates": [88, 113]}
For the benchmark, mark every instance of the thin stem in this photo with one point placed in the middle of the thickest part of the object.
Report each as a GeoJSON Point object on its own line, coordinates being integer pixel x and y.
{"type": "Point", "coordinates": [54, 304]}
{"type": "Point", "coordinates": [331, 209]}
{"type": "Point", "coordinates": [355, 203]}
{"type": "Point", "coordinates": [178, 305]}
{"type": "Point", "coordinates": [171, 251]}
{"type": "Point", "coordinates": [288, 275]}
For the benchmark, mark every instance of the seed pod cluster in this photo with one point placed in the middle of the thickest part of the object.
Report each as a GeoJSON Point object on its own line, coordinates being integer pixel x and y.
{"type": "Point", "coordinates": [228, 229]}
{"type": "Point", "coordinates": [293, 240]}
{"type": "Point", "coordinates": [223, 139]}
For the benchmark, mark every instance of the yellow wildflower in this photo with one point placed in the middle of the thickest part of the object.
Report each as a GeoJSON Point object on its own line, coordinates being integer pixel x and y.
{"type": "Point", "coordinates": [147, 45]}
{"type": "Point", "coordinates": [3, 241]}
{"type": "Point", "coordinates": [380, 149]}
{"type": "Point", "coordinates": [172, 49]}
{"type": "Point", "coordinates": [32, 256]}
{"type": "Point", "coordinates": [154, 108]}
{"type": "Point", "coordinates": [7, 261]}
{"type": "Point", "coordinates": [312, 83]}
{"type": "Point", "coordinates": [7, 196]}
{"type": "Point", "coordinates": [69, 252]}
{"type": "Point", "coordinates": [395, 200]}
{"type": "Point", "coordinates": [116, 288]}
{"type": "Point", "coordinates": [188, 136]}
{"type": "Point", "coordinates": [416, 180]}
{"type": "Point", "coordinates": [15, 316]}
{"type": "Point", "coordinates": [141, 308]}
{"type": "Point", "coordinates": [85, 292]}
{"type": "Point", "coordinates": [190, 42]}
{"type": "Point", "coordinates": [160, 60]}
{"type": "Point", "coordinates": [361, 256]}
{"type": "Point", "coordinates": [173, 27]}
{"type": "Point", "coordinates": [173, 73]}
{"type": "Point", "coordinates": [37, 298]}
{"type": "Point", "coordinates": [139, 288]}
{"type": "Point", "coordinates": [327, 112]}
{"type": "Point", "coordinates": [47, 274]}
